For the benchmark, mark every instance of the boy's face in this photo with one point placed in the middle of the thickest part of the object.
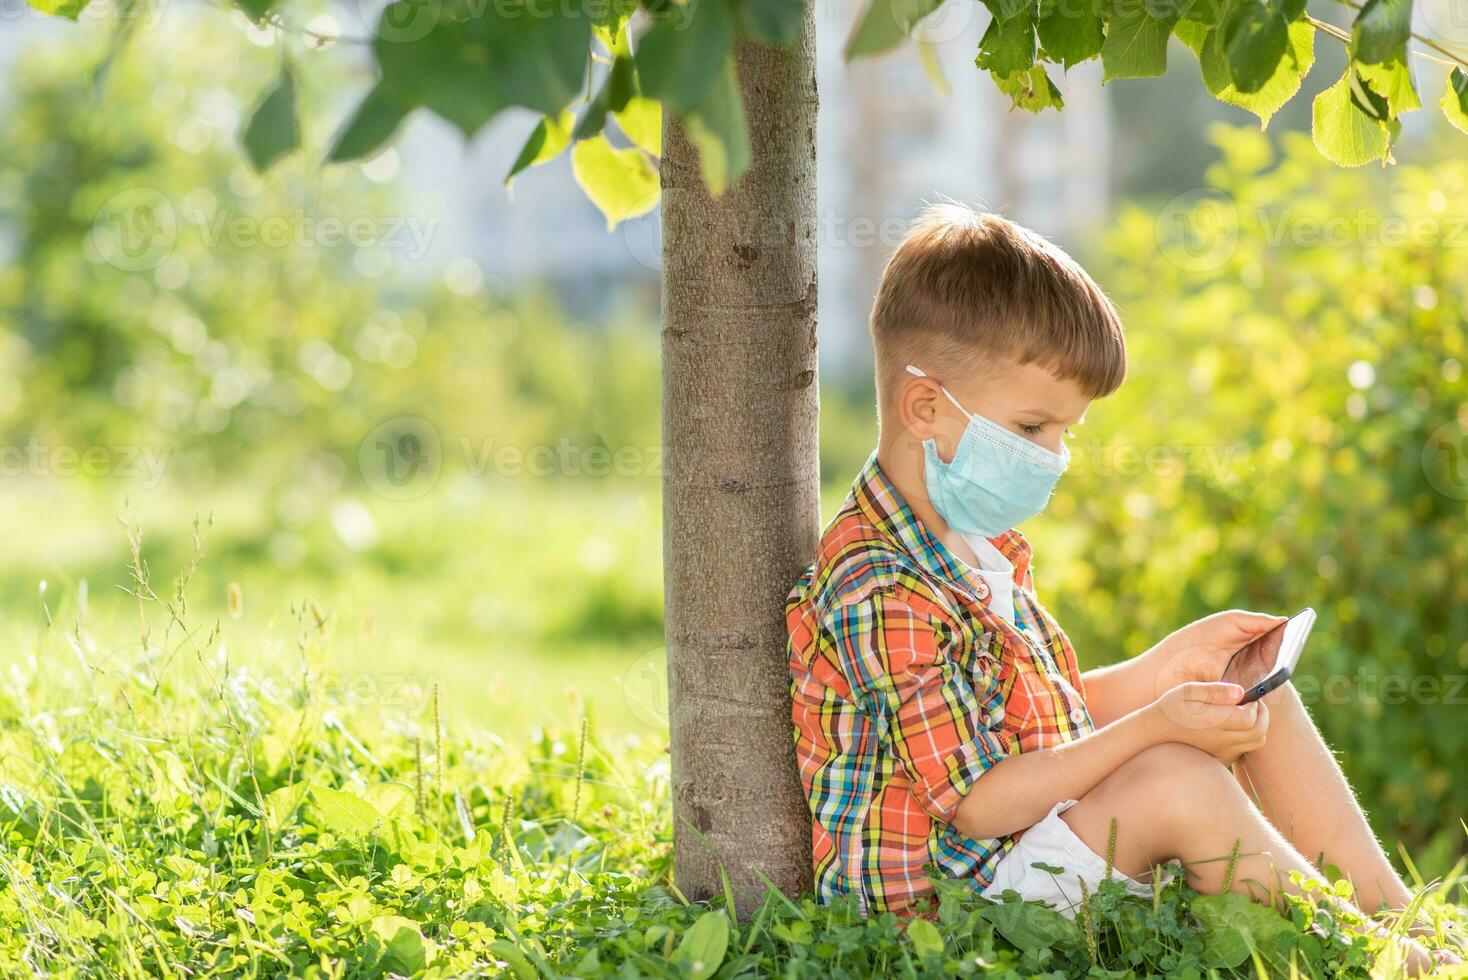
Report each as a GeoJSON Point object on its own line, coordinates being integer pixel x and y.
{"type": "Point", "coordinates": [1027, 399]}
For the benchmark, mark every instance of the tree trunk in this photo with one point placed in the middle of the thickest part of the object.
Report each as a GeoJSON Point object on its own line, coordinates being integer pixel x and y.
{"type": "Point", "coordinates": [741, 479]}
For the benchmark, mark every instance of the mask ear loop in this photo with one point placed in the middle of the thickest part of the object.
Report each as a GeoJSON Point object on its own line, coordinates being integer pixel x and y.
{"type": "Point", "coordinates": [918, 372]}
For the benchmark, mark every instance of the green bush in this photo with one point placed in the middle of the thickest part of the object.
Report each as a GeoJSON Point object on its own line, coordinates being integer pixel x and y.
{"type": "Point", "coordinates": [1297, 340]}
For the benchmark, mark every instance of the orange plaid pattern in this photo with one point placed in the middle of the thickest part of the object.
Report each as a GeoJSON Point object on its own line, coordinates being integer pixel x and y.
{"type": "Point", "coordinates": [906, 689]}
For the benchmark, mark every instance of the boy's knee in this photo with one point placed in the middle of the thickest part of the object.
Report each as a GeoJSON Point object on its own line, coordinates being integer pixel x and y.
{"type": "Point", "coordinates": [1176, 781]}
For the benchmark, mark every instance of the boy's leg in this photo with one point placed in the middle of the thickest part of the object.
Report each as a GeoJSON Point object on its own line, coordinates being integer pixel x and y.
{"type": "Point", "coordinates": [1174, 801]}
{"type": "Point", "coordinates": [1299, 786]}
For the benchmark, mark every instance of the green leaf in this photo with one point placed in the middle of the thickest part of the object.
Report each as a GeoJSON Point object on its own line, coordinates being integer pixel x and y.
{"type": "Point", "coordinates": [1254, 37]}
{"type": "Point", "coordinates": [1234, 927]}
{"type": "Point", "coordinates": [468, 70]}
{"type": "Point", "coordinates": [1032, 926]}
{"type": "Point", "coordinates": [702, 949]}
{"type": "Point", "coordinates": [614, 14]}
{"type": "Point", "coordinates": [1367, 99]}
{"type": "Point", "coordinates": [679, 60]}
{"type": "Point", "coordinates": [1209, 12]}
{"type": "Point", "coordinates": [546, 141]}
{"type": "Point", "coordinates": [255, 9]}
{"type": "Point", "coordinates": [1031, 90]}
{"type": "Point", "coordinates": [1293, 10]}
{"type": "Point", "coordinates": [1136, 44]}
{"type": "Point", "coordinates": [273, 131]}
{"type": "Point", "coordinates": [1455, 99]}
{"type": "Point", "coordinates": [1381, 30]}
{"type": "Point", "coordinates": [717, 128]}
{"type": "Point", "coordinates": [520, 966]}
{"type": "Point", "coordinates": [443, 70]}
{"type": "Point", "coordinates": [925, 938]}
{"type": "Point", "coordinates": [1273, 94]}
{"type": "Point", "coordinates": [619, 86]}
{"type": "Point", "coordinates": [344, 813]}
{"type": "Point", "coordinates": [621, 183]}
{"type": "Point", "coordinates": [1344, 134]}
{"type": "Point", "coordinates": [772, 21]}
{"type": "Point", "coordinates": [393, 800]}
{"type": "Point", "coordinates": [281, 804]}
{"type": "Point", "coordinates": [407, 951]}
{"type": "Point", "coordinates": [641, 121]}
{"type": "Point", "coordinates": [1008, 46]}
{"type": "Point", "coordinates": [371, 126]}
{"type": "Point", "coordinates": [1067, 35]}
{"type": "Point", "coordinates": [70, 9]}
{"type": "Point", "coordinates": [537, 62]}
{"type": "Point", "coordinates": [1393, 81]}
{"type": "Point", "coordinates": [1007, 9]}
{"type": "Point", "coordinates": [886, 24]}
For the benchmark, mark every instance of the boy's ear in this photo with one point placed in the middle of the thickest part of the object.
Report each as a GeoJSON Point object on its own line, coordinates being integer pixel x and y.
{"type": "Point", "coordinates": [919, 407]}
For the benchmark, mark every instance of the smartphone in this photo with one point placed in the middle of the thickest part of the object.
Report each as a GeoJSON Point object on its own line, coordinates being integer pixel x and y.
{"type": "Point", "coordinates": [1268, 661]}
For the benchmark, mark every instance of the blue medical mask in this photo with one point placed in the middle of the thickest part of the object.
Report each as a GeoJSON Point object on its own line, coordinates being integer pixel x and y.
{"type": "Point", "coordinates": [996, 480]}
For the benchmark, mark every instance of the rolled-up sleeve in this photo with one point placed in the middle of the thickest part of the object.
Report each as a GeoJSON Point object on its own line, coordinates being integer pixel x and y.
{"type": "Point", "coordinates": [926, 710]}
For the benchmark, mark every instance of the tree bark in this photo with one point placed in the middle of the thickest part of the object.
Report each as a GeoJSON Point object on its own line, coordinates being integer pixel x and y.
{"type": "Point", "coordinates": [741, 479]}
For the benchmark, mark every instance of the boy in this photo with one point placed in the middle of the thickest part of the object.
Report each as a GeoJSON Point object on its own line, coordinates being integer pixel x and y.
{"type": "Point", "coordinates": [940, 716]}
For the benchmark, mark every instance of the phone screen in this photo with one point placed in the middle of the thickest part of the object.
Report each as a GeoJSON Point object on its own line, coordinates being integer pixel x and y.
{"type": "Point", "coordinates": [1254, 663]}
{"type": "Point", "coordinates": [1272, 655]}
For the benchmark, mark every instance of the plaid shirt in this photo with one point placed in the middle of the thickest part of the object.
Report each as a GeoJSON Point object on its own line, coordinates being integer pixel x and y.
{"type": "Point", "coordinates": [906, 689]}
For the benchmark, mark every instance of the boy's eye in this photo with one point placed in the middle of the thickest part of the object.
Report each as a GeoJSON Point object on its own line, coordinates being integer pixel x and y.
{"type": "Point", "coordinates": [1031, 429]}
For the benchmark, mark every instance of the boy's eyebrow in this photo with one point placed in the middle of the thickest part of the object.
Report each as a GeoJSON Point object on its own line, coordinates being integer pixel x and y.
{"type": "Point", "coordinates": [1050, 416]}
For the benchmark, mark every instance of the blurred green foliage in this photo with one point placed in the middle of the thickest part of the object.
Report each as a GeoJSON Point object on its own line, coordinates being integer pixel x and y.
{"type": "Point", "coordinates": [1292, 434]}
{"type": "Point", "coordinates": [164, 293]}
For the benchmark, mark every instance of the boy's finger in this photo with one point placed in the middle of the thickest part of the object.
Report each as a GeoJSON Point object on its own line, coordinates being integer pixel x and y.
{"type": "Point", "coordinates": [1214, 692]}
{"type": "Point", "coordinates": [1253, 623]}
{"type": "Point", "coordinates": [1243, 718]}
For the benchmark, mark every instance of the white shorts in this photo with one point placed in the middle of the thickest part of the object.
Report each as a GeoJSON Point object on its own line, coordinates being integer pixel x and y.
{"type": "Point", "coordinates": [1052, 842]}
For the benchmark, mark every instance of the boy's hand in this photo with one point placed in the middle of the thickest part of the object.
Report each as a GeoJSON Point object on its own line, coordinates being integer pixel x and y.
{"type": "Point", "coordinates": [1200, 651]}
{"type": "Point", "coordinates": [1208, 716]}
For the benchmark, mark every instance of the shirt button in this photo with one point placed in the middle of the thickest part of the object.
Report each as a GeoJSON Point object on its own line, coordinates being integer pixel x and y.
{"type": "Point", "coordinates": [982, 590]}
{"type": "Point", "coordinates": [1077, 716]}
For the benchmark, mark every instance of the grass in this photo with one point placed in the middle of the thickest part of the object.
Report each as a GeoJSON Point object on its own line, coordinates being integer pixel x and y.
{"type": "Point", "coordinates": [203, 789]}
{"type": "Point", "coordinates": [526, 597]}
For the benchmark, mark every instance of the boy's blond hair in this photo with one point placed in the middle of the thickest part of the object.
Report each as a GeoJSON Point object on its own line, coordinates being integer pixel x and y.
{"type": "Point", "coordinates": [967, 288]}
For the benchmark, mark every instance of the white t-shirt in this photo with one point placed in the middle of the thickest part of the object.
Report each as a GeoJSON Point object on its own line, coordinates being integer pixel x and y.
{"type": "Point", "coordinates": [997, 573]}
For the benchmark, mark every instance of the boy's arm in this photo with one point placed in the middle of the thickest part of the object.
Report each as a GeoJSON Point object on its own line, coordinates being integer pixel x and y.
{"type": "Point", "coordinates": [943, 724]}
{"type": "Point", "coordinates": [1020, 790]}
{"type": "Point", "coordinates": [1197, 652]}
{"type": "Point", "coordinates": [1117, 690]}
